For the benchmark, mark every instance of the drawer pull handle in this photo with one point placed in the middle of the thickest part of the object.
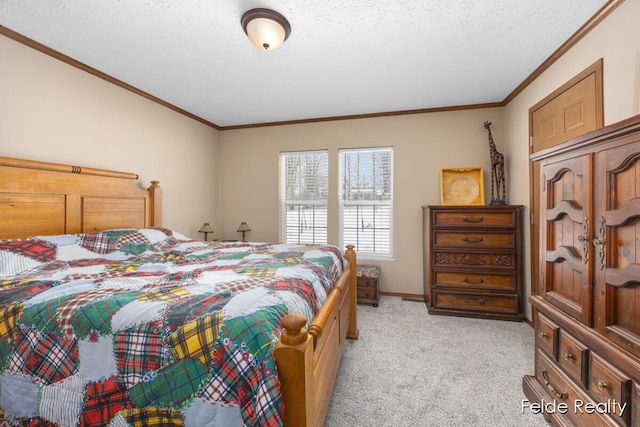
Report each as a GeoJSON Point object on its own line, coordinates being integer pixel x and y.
{"type": "Point", "coordinates": [543, 335]}
{"type": "Point", "coordinates": [569, 356]}
{"type": "Point", "coordinates": [467, 219]}
{"type": "Point", "coordinates": [481, 301]}
{"type": "Point", "coordinates": [562, 395]}
{"type": "Point", "coordinates": [478, 239]}
{"type": "Point", "coordinates": [601, 385]}
{"type": "Point", "coordinates": [477, 282]}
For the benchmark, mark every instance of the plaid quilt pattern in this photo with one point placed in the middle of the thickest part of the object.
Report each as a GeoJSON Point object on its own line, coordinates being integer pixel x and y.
{"type": "Point", "coordinates": [244, 283]}
{"type": "Point", "coordinates": [170, 386]}
{"type": "Point", "coordinates": [23, 290]}
{"type": "Point", "coordinates": [194, 307]}
{"type": "Point", "coordinates": [298, 286]}
{"type": "Point", "coordinates": [66, 312]}
{"type": "Point", "coordinates": [8, 318]}
{"type": "Point", "coordinates": [104, 399]}
{"type": "Point", "coordinates": [140, 350]}
{"type": "Point", "coordinates": [47, 358]}
{"type": "Point", "coordinates": [267, 405]}
{"type": "Point", "coordinates": [236, 378]}
{"type": "Point", "coordinates": [94, 318]}
{"type": "Point", "coordinates": [258, 271]}
{"type": "Point", "coordinates": [208, 334]}
{"type": "Point", "coordinates": [196, 339]}
{"type": "Point", "coordinates": [43, 316]}
{"type": "Point", "coordinates": [31, 248]}
{"type": "Point", "coordinates": [133, 243]}
{"type": "Point", "coordinates": [153, 417]}
{"type": "Point", "coordinates": [100, 243]}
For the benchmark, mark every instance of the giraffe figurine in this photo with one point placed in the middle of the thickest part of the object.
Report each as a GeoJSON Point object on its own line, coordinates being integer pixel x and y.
{"type": "Point", "coordinates": [498, 183]}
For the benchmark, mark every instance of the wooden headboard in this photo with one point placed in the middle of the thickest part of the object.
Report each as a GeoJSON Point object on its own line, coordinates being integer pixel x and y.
{"type": "Point", "coordinates": [39, 198]}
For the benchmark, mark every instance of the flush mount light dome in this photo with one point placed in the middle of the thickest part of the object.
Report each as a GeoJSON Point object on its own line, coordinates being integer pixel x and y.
{"type": "Point", "coordinates": [267, 29]}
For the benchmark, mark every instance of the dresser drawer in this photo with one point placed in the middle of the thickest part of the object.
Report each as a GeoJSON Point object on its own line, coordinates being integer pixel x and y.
{"type": "Point", "coordinates": [475, 280]}
{"type": "Point", "coordinates": [573, 357]}
{"type": "Point", "coordinates": [547, 335]}
{"type": "Point", "coordinates": [607, 384]}
{"type": "Point", "coordinates": [476, 218]}
{"type": "Point", "coordinates": [477, 302]}
{"type": "Point", "coordinates": [474, 239]}
{"type": "Point", "coordinates": [504, 261]}
{"type": "Point", "coordinates": [562, 390]}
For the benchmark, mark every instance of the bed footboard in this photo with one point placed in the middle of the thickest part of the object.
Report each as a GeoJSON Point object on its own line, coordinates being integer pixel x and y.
{"type": "Point", "coordinates": [308, 361]}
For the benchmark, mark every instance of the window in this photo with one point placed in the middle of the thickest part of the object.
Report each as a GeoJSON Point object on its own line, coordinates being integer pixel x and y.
{"type": "Point", "coordinates": [366, 201]}
{"type": "Point", "coordinates": [303, 196]}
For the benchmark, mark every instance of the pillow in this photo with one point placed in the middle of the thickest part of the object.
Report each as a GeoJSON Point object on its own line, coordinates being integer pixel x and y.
{"type": "Point", "coordinates": [129, 241]}
{"type": "Point", "coordinates": [20, 255]}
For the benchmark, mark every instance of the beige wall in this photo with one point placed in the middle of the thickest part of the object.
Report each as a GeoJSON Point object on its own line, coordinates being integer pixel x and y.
{"type": "Point", "coordinates": [423, 144]}
{"type": "Point", "coordinates": [53, 112]}
{"type": "Point", "coordinates": [50, 111]}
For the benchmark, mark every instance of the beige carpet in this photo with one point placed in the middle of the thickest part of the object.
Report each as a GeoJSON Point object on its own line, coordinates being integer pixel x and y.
{"type": "Point", "coordinates": [410, 368]}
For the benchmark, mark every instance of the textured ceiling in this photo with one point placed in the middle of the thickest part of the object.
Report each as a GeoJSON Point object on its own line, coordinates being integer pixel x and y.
{"type": "Point", "coordinates": [344, 57]}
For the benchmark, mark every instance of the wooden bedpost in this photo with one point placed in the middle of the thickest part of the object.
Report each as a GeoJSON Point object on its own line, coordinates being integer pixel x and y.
{"type": "Point", "coordinates": [308, 361]}
{"type": "Point", "coordinates": [350, 254]}
{"type": "Point", "coordinates": [155, 208]}
{"type": "Point", "coordinates": [294, 359]}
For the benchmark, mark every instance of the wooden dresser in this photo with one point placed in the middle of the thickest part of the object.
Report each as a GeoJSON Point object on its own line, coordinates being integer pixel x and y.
{"type": "Point", "coordinates": [473, 261]}
{"type": "Point", "coordinates": [587, 308]}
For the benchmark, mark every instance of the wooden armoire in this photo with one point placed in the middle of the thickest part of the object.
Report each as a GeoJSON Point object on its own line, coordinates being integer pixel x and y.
{"type": "Point", "coordinates": [587, 309]}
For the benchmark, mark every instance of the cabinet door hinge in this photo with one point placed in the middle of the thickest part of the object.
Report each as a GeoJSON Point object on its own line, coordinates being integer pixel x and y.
{"type": "Point", "coordinates": [531, 141]}
{"type": "Point", "coordinates": [533, 219]}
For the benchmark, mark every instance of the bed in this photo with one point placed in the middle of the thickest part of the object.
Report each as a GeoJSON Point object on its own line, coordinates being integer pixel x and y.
{"type": "Point", "coordinates": [107, 318]}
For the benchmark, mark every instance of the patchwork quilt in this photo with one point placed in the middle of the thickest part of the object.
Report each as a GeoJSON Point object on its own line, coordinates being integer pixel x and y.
{"type": "Point", "coordinates": [145, 327]}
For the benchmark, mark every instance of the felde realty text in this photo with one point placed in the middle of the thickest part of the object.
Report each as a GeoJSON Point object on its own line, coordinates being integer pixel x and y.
{"type": "Point", "coordinates": [611, 407]}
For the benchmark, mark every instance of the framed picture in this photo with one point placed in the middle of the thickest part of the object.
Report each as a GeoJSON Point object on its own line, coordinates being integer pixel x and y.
{"type": "Point", "coordinates": [461, 186]}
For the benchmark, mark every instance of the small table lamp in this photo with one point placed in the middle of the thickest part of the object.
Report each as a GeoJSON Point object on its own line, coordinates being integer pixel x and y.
{"type": "Point", "coordinates": [206, 229]}
{"type": "Point", "coordinates": [243, 227]}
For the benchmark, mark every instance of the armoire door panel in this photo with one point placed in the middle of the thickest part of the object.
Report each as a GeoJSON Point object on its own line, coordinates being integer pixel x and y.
{"type": "Point", "coordinates": [566, 202]}
{"type": "Point", "coordinates": [575, 108]}
{"type": "Point", "coordinates": [618, 265]}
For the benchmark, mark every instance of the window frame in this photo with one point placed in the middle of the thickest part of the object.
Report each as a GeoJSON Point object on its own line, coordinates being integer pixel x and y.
{"type": "Point", "coordinates": [363, 254]}
{"type": "Point", "coordinates": [284, 203]}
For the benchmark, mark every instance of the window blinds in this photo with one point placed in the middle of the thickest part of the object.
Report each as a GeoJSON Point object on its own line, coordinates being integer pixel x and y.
{"type": "Point", "coordinates": [304, 191]}
{"type": "Point", "coordinates": [366, 200]}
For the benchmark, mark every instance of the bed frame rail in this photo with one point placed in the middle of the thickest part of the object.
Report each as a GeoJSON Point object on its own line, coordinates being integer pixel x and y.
{"type": "Point", "coordinates": [308, 361]}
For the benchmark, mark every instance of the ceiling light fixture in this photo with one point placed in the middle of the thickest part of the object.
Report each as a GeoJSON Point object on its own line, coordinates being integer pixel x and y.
{"type": "Point", "coordinates": [267, 29]}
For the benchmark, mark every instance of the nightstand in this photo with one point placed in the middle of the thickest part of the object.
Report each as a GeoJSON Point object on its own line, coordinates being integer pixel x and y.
{"type": "Point", "coordinates": [368, 284]}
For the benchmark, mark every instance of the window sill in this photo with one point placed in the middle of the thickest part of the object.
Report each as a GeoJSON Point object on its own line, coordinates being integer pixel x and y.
{"type": "Point", "coordinates": [373, 258]}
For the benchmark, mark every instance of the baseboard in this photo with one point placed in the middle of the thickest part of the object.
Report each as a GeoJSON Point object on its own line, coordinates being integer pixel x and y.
{"type": "Point", "coordinates": [410, 297]}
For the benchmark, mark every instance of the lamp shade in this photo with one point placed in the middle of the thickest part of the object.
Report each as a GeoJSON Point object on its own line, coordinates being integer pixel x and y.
{"type": "Point", "coordinates": [267, 29]}
{"type": "Point", "coordinates": [206, 228]}
{"type": "Point", "coordinates": [243, 227]}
